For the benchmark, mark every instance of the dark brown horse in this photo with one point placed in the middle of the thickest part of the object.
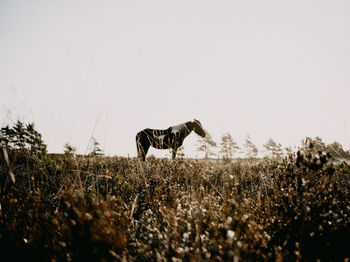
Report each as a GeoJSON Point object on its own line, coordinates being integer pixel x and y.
{"type": "Point", "coordinates": [171, 138]}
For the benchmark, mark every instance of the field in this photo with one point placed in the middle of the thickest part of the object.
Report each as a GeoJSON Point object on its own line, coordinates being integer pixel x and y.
{"type": "Point", "coordinates": [66, 208]}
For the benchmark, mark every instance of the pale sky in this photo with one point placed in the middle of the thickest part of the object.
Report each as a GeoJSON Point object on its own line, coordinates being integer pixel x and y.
{"type": "Point", "coordinates": [269, 68]}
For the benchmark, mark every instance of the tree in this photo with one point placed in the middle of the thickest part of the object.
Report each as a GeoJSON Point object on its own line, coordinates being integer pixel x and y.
{"type": "Point", "coordinates": [20, 141]}
{"type": "Point", "coordinates": [336, 150]}
{"type": "Point", "coordinates": [250, 148]}
{"type": "Point", "coordinates": [69, 150]}
{"type": "Point", "coordinates": [205, 145]}
{"type": "Point", "coordinates": [95, 148]}
{"type": "Point", "coordinates": [22, 137]}
{"type": "Point", "coordinates": [34, 139]}
{"type": "Point", "coordinates": [7, 135]}
{"type": "Point", "coordinates": [273, 149]}
{"type": "Point", "coordinates": [288, 150]}
{"type": "Point", "coordinates": [314, 145]}
{"type": "Point", "coordinates": [228, 146]}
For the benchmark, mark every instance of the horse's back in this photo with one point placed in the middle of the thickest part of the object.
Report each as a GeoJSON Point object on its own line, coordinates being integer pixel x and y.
{"type": "Point", "coordinates": [156, 132]}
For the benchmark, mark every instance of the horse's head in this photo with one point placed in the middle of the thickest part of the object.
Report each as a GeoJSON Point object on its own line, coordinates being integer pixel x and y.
{"type": "Point", "coordinates": [198, 128]}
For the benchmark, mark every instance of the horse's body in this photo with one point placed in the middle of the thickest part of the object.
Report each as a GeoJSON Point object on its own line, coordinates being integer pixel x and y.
{"type": "Point", "coordinates": [171, 138]}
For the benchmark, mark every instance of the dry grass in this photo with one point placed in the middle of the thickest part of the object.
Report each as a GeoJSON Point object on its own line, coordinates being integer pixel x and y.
{"type": "Point", "coordinates": [111, 209]}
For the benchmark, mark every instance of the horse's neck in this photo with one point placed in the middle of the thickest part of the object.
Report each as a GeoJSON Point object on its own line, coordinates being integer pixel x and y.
{"type": "Point", "coordinates": [189, 126]}
{"type": "Point", "coordinates": [178, 128]}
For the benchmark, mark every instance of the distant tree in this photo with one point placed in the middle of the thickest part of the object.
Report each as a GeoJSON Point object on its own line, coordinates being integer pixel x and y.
{"type": "Point", "coordinates": [273, 149]}
{"type": "Point", "coordinates": [319, 144]}
{"type": "Point", "coordinates": [34, 139]}
{"type": "Point", "coordinates": [228, 146]}
{"type": "Point", "coordinates": [20, 141]}
{"type": "Point", "coordinates": [250, 148]}
{"type": "Point", "coordinates": [22, 137]}
{"type": "Point", "coordinates": [69, 150]}
{"type": "Point", "coordinates": [336, 150]}
{"type": "Point", "coordinates": [288, 150]}
{"type": "Point", "coordinates": [95, 148]}
{"type": "Point", "coordinates": [205, 145]}
{"type": "Point", "coordinates": [314, 145]}
{"type": "Point", "coordinates": [7, 136]}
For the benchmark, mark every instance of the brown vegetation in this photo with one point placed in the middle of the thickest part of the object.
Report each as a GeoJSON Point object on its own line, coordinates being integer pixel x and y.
{"type": "Point", "coordinates": [65, 208]}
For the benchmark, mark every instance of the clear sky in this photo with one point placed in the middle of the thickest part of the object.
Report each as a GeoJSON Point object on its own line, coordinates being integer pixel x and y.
{"type": "Point", "coordinates": [269, 68]}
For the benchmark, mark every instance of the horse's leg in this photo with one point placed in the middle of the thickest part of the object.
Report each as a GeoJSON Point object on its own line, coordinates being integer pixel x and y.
{"type": "Point", "coordinates": [142, 145]}
{"type": "Point", "coordinates": [144, 151]}
{"type": "Point", "coordinates": [174, 152]}
{"type": "Point", "coordinates": [140, 151]}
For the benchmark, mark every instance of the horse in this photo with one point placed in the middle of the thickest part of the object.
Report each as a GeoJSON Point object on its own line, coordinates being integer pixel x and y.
{"type": "Point", "coordinates": [170, 138]}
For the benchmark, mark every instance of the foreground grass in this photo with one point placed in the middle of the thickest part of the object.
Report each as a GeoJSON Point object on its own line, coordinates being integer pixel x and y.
{"type": "Point", "coordinates": [109, 209]}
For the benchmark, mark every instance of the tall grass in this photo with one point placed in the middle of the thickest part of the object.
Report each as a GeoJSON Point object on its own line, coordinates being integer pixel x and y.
{"type": "Point", "coordinates": [117, 209]}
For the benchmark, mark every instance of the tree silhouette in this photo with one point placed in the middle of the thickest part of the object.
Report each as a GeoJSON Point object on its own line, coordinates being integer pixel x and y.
{"type": "Point", "coordinates": [95, 148]}
{"type": "Point", "coordinates": [228, 146]}
{"type": "Point", "coordinates": [22, 137]}
{"type": "Point", "coordinates": [316, 145]}
{"type": "Point", "coordinates": [273, 149]}
{"type": "Point", "coordinates": [205, 145]}
{"type": "Point", "coordinates": [69, 150]}
{"type": "Point", "coordinates": [336, 150]}
{"type": "Point", "coordinates": [250, 148]}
